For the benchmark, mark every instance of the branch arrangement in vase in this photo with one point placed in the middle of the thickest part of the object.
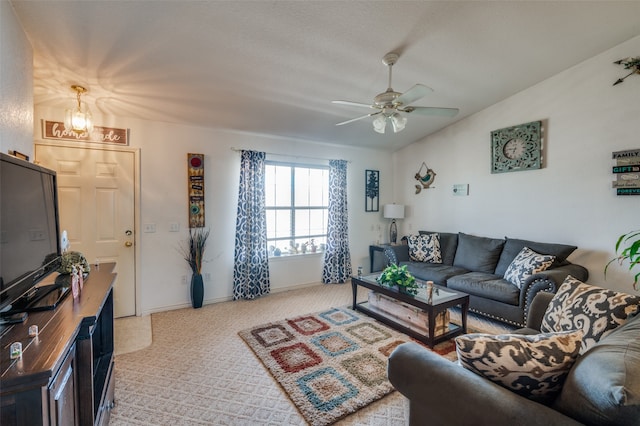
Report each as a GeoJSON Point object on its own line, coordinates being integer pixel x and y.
{"type": "Point", "coordinates": [193, 253]}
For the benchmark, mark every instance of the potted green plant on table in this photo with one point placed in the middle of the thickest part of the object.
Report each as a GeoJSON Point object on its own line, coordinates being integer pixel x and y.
{"type": "Point", "coordinates": [628, 248]}
{"type": "Point", "coordinates": [398, 276]}
{"type": "Point", "coordinates": [193, 253]}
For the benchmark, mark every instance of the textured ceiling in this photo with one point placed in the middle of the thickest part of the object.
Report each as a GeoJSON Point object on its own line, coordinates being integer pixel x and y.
{"type": "Point", "coordinates": [273, 67]}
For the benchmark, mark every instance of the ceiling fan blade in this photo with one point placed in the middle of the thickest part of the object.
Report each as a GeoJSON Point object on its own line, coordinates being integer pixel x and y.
{"type": "Point", "coordinates": [444, 112]}
{"type": "Point", "coordinates": [413, 94]}
{"type": "Point", "coordinates": [359, 118]}
{"type": "Point", "coordinates": [350, 103]}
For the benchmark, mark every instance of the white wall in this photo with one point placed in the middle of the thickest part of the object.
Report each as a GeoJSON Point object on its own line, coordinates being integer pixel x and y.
{"type": "Point", "coordinates": [570, 200]}
{"type": "Point", "coordinates": [163, 154]}
{"type": "Point", "coordinates": [16, 84]}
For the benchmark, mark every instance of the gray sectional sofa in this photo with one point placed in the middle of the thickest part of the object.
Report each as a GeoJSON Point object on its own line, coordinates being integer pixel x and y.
{"type": "Point", "coordinates": [476, 265]}
{"type": "Point", "coordinates": [602, 387]}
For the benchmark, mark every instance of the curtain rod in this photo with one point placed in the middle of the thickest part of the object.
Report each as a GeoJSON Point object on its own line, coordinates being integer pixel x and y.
{"type": "Point", "coordinates": [290, 156]}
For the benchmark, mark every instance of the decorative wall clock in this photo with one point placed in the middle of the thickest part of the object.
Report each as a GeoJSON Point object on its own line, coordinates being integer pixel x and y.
{"type": "Point", "coordinates": [517, 148]}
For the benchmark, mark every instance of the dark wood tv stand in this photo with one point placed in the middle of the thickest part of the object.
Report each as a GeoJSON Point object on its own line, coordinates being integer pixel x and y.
{"type": "Point", "coordinates": [65, 374]}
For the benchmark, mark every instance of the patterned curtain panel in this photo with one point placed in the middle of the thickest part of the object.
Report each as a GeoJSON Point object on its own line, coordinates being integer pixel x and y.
{"type": "Point", "coordinates": [337, 258]}
{"type": "Point", "coordinates": [251, 263]}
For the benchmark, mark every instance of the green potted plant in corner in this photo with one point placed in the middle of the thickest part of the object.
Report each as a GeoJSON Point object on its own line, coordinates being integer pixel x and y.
{"type": "Point", "coordinates": [193, 253]}
{"type": "Point", "coordinates": [628, 248]}
{"type": "Point", "coordinates": [394, 275]}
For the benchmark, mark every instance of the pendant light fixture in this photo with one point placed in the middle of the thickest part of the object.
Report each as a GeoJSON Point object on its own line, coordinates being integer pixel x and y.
{"type": "Point", "coordinates": [78, 119]}
{"type": "Point", "coordinates": [397, 121]}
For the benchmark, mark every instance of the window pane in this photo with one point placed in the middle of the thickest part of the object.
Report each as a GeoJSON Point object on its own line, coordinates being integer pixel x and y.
{"type": "Point", "coordinates": [282, 186]}
{"type": "Point", "coordinates": [283, 223]}
{"type": "Point", "coordinates": [318, 222]}
{"type": "Point", "coordinates": [270, 186]}
{"type": "Point", "coordinates": [302, 187]}
{"type": "Point", "coordinates": [302, 223]}
{"type": "Point", "coordinates": [318, 180]}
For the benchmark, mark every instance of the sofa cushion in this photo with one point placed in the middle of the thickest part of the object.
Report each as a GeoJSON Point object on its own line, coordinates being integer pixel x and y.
{"type": "Point", "coordinates": [533, 366]}
{"type": "Point", "coordinates": [513, 246]}
{"type": "Point", "coordinates": [487, 286]}
{"type": "Point", "coordinates": [603, 387]}
{"type": "Point", "coordinates": [437, 272]}
{"type": "Point", "coordinates": [525, 264]}
{"type": "Point", "coordinates": [424, 248]}
{"type": "Point", "coordinates": [479, 254]}
{"type": "Point", "coordinates": [594, 310]}
{"type": "Point", "coordinates": [448, 245]}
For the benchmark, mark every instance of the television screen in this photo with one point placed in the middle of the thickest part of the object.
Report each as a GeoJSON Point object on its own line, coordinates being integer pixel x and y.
{"type": "Point", "coordinates": [29, 231]}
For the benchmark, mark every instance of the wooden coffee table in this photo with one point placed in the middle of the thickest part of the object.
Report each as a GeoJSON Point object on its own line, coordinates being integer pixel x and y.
{"type": "Point", "coordinates": [443, 298]}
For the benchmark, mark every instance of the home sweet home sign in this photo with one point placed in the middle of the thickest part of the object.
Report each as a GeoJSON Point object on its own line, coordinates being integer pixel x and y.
{"type": "Point", "coordinates": [107, 135]}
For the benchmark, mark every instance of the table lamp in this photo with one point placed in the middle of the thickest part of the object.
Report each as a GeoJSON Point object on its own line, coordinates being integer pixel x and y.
{"type": "Point", "coordinates": [393, 212]}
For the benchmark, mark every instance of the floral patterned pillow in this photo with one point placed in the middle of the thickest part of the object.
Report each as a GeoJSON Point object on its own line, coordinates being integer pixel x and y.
{"type": "Point", "coordinates": [525, 264]}
{"type": "Point", "coordinates": [594, 310]}
{"type": "Point", "coordinates": [533, 366]}
{"type": "Point", "coordinates": [425, 248]}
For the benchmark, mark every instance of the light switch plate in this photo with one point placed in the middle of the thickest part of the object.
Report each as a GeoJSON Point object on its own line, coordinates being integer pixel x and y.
{"type": "Point", "coordinates": [461, 189]}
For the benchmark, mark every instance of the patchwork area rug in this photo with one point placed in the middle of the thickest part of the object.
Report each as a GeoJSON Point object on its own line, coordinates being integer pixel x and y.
{"type": "Point", "coordinates": [330, 363]}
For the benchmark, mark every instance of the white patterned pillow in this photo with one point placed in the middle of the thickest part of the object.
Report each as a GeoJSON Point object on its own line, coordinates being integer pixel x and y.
{"type": "Point", "coordinates": [533, 366]}
{"type": "Point", "coordinates": [525, 264]}
{"type": "Point", "coordinates": [425, 248]}
{"type": "Point", "coordinates": [594, 310]}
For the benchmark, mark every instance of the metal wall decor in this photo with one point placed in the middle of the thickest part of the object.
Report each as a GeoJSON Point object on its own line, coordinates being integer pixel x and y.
{"type": "Point", "coordinates": [627, 170]}
{"type": "Point", "coordinates": [517, 148]}
{"type": "Point", "coordinates": [632, 64]}
{"type": "Point", "coordinates": [195, 168]}
{"type": "Point", "coordinates": [372, 191]}
{"type": "Point", "coordinates": [425, 176]}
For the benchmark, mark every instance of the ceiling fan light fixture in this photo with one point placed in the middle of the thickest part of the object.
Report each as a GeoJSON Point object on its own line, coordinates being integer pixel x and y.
{"type": "Point", "coordinates": [78, 118]}
{"type": "Point", "coordinates": [380, 123]}
{"type": "Point", "coordinates": [398, 122]}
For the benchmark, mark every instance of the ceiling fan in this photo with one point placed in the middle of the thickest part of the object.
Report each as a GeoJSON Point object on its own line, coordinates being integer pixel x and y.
{"type": "Point", "coordinates": [390, 104]}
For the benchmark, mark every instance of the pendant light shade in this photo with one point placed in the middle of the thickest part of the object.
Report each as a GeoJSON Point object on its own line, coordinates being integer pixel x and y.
{"type": "Point", "coordinates": [78, 118]}
{"type": "Point", "coordinates": [380, 123]}
{"type": "Point", "coordinates": [398, 122]}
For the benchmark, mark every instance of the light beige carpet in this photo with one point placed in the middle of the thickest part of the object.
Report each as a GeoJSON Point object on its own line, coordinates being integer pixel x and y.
{"type": "Point", "coordinates": [132, 334]}
{"type": "Point", "coordinates": [198, 371]}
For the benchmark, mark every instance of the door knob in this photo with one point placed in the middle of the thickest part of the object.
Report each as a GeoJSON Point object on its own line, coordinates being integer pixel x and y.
{"type": "Point", "coordinates": [128, 244]}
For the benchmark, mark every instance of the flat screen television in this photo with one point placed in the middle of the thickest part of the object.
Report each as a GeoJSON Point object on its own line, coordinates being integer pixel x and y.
{"type": "Point", "coordinates": [29, 233]}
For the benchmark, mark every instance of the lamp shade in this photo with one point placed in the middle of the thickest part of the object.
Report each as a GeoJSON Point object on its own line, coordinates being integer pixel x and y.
{"type": "Point", "coordinates": [393, 211]}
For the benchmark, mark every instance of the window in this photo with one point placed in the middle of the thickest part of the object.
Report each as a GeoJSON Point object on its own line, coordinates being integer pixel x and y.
{"type": "Point", "coordinates": [297, 205]}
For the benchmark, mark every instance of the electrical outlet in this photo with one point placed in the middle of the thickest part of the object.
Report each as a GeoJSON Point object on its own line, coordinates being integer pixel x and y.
{"type": "Point", "coordinates": [174, 227]}
{"type": "Point", "coordinates": [207, 276]}
{"type": "Point", "coordinates": [149, 227]}
{"type": "Point", "coordinates": [184, 280]}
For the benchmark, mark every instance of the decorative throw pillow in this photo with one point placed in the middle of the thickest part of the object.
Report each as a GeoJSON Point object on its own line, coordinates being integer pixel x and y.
{"type": "Point", "coordinates": [533, 366]}
{"type": "Point", "coordinates": [478, 254]}
{"type": "Point", "coordinates": [525, 264]}
{"type": "Point", "coordinates": [594, 310]}
{"type": "Point", "coordinates": [425, 248]}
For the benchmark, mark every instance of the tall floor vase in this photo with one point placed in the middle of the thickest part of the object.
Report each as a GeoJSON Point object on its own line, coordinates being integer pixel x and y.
{"type": "Point", "coordinates": [197, 290]}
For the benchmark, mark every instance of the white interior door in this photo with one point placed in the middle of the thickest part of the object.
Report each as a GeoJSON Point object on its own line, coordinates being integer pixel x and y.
{"type": "Point", "coordinates": [96, 197]}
